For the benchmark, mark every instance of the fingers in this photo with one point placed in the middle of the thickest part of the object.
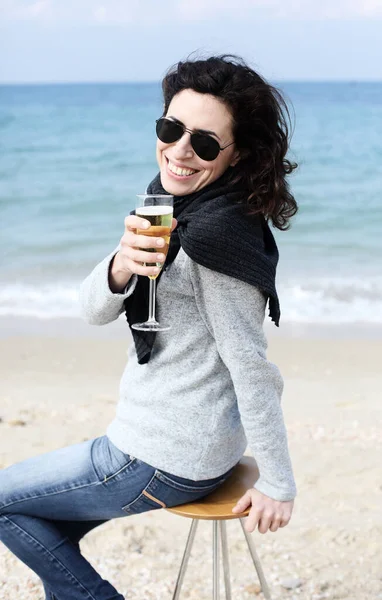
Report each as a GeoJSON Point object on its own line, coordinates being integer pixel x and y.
{"type": "Point", "coordinates": [131, 238]}
{"type": "Point", "coordinates": [243, 503]}
{"type": "Point", "coordinates": [132, 222]}
{"type": "Point", "coordinates": [141, 254]}
{"type": "Point", "coordinates": [135, 225]}
{"type": "Point", "coordinates": [266, 513]}
{"type": "Point", "coordinates": [265, 522]}
{"type": "Point", "coordinates": [279, 521]}
{"type": "Point", "coordinates": [252, 519]}
{"type": "Point", "coordinates": [275, 524]}
{"type": "Point", "coordinates": [285, 520]}
{"type": "Point", "coordinates": [140, 262]}
{"type": "Point", "coordinates": [135, 240]}
{"type": "Point", "coordinates": [141, 269]}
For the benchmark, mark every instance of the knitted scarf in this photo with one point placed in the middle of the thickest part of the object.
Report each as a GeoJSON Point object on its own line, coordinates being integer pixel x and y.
{"type": "Point", "coordinates": [214, 230]}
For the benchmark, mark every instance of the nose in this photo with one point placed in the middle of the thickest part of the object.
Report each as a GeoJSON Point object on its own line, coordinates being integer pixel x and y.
{"type": "Point", "coordinates": [183, 148]}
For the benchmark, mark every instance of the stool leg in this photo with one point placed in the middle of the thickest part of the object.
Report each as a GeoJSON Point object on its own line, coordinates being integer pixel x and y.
{"type": "Point", "coordinates": [257, 563]}
{"type": "Point", "coordinates": [186, 556]}
{"type": "Point", "coordinates": [215, 546]}
{"type": "Point", "coordinates": [227, 582]}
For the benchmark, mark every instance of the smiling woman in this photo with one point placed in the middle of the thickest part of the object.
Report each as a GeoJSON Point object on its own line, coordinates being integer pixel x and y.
{"type": "Point", "coordinates": [196, 114]}
{"type": "Point", "coordinates": [192, 397]}
{"type": "Point", "coordinates": [225, 98]}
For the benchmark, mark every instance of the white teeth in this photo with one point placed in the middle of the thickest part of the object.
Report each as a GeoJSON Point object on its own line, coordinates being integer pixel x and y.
{"type": "Point", "coordinates": [179, 171]}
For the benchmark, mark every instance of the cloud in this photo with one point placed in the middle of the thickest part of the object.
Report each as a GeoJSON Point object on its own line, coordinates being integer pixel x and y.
{"type": "Point", "coordinates": [304, 9]}
{"type": "Point", "coordinates": [15, 11]}
{"type": "Point", "coordinates": [124, 12]}
{"type": "Point", "coordinates": [119, 14]}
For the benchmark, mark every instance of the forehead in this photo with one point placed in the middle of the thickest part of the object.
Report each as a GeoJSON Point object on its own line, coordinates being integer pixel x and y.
{"type": "Point", "coordinates": [201, 111]}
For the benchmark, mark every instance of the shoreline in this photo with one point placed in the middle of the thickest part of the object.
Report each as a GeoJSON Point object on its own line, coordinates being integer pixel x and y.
{"type": "Point", "coordinates": [69, 327]}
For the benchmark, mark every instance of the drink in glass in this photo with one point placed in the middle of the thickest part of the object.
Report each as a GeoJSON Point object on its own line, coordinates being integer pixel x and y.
{"type": "Point", "coordinates": [160, 218]}
{"type": "Point", "coordinates": [158, 210]}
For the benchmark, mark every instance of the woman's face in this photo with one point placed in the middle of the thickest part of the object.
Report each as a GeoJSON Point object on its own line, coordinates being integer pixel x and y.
{"type": "Point", "coordinates": [195, 111]}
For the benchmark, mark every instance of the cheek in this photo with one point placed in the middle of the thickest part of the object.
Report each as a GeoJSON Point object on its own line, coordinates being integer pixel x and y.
{"type": "Point", "coordinates": [160, 148]}
{"type": "Point", "coordinates": [219, 165]}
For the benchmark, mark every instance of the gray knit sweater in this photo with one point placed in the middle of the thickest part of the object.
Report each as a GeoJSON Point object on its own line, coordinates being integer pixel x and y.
{"type": "Point", "coordinates": [208, 388]}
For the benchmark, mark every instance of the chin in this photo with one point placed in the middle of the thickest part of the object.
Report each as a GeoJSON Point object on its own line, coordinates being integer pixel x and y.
{"type": "Point", "coordinates": [176, 188]}
{"type": "Point", "coordinates": [171, 189]}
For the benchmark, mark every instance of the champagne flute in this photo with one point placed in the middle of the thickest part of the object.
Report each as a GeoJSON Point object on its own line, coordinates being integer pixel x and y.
{"type": "Point", "coordinates": [158, 209]}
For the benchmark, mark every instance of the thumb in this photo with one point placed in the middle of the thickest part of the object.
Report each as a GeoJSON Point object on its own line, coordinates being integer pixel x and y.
{"type": "Point", "coordinates": [243, 503]}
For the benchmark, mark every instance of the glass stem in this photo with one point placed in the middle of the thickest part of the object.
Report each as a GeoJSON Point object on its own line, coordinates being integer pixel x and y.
{"type": "Point", "coordinates": [152, 291]}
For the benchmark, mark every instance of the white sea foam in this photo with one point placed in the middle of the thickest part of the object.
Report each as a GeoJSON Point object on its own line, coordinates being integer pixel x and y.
{"type": "Point", "coordinates": [332, 300]}
{"type": "Point", "coordinates": [317, 300]}
{"type": "Point", "coordinates": [45, 301]}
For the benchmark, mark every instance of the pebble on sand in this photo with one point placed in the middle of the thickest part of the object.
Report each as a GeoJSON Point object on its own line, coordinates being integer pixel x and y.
{"type": "Point", "coordinates": [291, 584]}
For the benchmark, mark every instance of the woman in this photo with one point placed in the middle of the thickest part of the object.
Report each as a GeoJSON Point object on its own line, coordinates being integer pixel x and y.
{"type": "Point", "coordinates": [191, 397]}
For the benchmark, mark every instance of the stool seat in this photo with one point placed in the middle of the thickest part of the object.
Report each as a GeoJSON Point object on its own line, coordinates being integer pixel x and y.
{"type": "Point", "coordinates": [219, 504]}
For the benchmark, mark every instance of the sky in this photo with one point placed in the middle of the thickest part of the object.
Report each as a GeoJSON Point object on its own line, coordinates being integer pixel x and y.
{"type": "Point", "coordinates": [137, 40]}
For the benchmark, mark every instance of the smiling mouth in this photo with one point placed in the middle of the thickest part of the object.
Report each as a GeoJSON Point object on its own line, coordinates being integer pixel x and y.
{"type": "Point", "coordinates": [180, 171]}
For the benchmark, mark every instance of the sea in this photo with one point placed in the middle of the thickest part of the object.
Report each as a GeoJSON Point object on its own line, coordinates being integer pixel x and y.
{"type": "Point", "coordinates": [74, 156]}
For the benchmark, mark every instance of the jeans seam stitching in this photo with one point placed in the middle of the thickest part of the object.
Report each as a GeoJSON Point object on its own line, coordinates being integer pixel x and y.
{"type": "Point", "coordinates": [99, 475]}
{"type": "Point", "coordinates": [49, 494]}
{"type": "Point", "coordinates": [107, 478]}
{"type": "Point", "coordinates": [65, 490]}
{"type": "Point", "coordinates": [45, 549]}
{"type": "Point", "coordinates": [180, 487]}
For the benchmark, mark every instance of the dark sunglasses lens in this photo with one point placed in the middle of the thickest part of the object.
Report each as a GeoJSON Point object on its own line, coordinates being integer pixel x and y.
{"type": "Point", "coordinates": [205, 146]}
{"type": "Point", "coordinates": [168, 131]}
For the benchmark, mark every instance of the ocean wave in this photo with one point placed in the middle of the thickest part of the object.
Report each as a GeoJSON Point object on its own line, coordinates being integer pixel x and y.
{"type": "Point", "coordinates": [45, 301]}
{"type": "Point", "coordinates": [315, 300]}
{"type": "Point", "coordinates": [332, 300]}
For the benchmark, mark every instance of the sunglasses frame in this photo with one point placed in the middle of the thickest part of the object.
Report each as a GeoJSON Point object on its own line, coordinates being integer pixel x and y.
{"type": "Point", "coordinates": [192, 132]}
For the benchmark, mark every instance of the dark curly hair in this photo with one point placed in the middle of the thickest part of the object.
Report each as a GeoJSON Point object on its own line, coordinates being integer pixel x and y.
{"type": "Point", "coordinates": [260, 128]}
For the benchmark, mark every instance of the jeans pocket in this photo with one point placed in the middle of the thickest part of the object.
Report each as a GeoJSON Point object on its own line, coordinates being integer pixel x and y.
{"type": "Point", "coordinates": [108, 460]}
{"type": "Point", "coordinates": [164, 491]}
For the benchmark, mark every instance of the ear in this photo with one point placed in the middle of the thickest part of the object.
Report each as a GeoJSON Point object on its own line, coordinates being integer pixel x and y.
{"type": "Point", "coordinates": [235, 158]}
{"type": "Point", "coordinates": [239, 155]}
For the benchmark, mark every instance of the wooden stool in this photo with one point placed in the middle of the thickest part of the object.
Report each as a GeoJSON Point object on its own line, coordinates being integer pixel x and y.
{"type": "Point", "coordinates": [217, 507]}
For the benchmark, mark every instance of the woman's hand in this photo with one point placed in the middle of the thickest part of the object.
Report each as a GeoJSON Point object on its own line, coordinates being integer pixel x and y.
{"type": "Point", "coordinates": [132, 254]}
{"type": "Point", "coordinates": [265, 512]}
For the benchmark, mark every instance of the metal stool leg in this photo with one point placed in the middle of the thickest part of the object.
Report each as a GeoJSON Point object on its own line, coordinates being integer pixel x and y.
{"type": "Point", "coordinates": [215, 546]}
{"type": "Point", "coordinates": [257, 563]}
{"type": "Point", "coordinates": [186, 556]}
{"type": "Point", "coordinates": [227, 580]}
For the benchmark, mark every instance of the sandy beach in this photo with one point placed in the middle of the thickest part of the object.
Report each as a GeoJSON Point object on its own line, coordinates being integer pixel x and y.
{"type": "Point", "coordinates": [60, 386]}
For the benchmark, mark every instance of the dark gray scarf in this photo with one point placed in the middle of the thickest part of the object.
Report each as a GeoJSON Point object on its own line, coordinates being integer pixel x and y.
{"type": "Point", "coordinates": [215, 230]}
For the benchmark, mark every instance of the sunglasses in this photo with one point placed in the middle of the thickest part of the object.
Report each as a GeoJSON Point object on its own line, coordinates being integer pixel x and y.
{"type": "Point", "coordinates": [204, 145]}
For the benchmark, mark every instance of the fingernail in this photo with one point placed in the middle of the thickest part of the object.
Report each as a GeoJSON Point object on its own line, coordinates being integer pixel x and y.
{"type": "Point", "coordinates": [160, 242]}
{"type": "Point", "coordinates": [160, 257]}
{"type": "Point", "coordinates": [145, 224]}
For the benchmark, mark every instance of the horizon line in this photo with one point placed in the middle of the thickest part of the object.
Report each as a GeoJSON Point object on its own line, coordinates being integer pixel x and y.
{"type": "Point", "coordinates": [156, 82]}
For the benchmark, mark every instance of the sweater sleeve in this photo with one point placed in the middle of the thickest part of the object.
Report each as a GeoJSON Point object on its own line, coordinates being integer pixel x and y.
{"type": "Point", "coordinates": [99, 305]}
{"type": "Point", "coordinates": [233, 312]}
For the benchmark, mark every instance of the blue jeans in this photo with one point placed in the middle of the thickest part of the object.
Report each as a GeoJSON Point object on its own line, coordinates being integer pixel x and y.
{"type": "Point", "coordinates": [49, 502]}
